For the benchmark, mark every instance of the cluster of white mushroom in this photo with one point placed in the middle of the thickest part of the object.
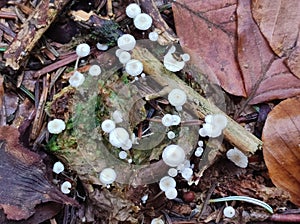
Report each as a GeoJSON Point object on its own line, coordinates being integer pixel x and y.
{"type": "Point", "coordinates": [66, 186]}
{"type": "Point", "coordinates": [214, 126]}
{"type": "Point", "coordinates": [141, 21]}
{"type": "Point", "coordinates": [171, 63]}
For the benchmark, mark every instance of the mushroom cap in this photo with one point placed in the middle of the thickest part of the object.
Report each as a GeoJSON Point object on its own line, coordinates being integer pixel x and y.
{"type": "Point", "coordinates": [172, 172]}
{"type": "Point", "coordinates": [166, 183]}
{"type": "Point", "coordinates": [101, 47]}
{"type": "Point", "coordinates": [153, 36]}
{"type": "Point", "coordinates": [172, 64]}
{"type": "Point", "coordinates": [157, 221]}
{"type": "Point", "coordinates": [237, 157]}
{"type": "Point", "coordinates": [171, 193]}
{"type": "Point", "coordinates": [217, 119]}
{"type": "Point", "coordinates": [176, 119]}
{"type": "Point", "coordinates": [58, 167]}
{"type": "Point", "coordinates": [117, 116]}
{"type": "Point", "coordinates": [229, 211]}
{"type": "Point", "coordinates": [185, 57]}
{"type": "Point", "coordinates": [199, 151]}
{"type": "Point", "coordinates": [173, 155]}
{"type": "Point", "coordinates": [211, 130]}
{"type": "Point", "coordinates": [124, 57]}
{"type": "Point", "coordinates": [118, 137]}
{"type": "Point", "coordinates": [132, 10]}
{"type": "Point", "coordinates": [56, 126]}
{"type": "Point", "coordinates": [126, 42]}
{"type": "Point", "coordinates": [187, 173]}
{"type": "Point", "coordinates": [142, 21]}
{"type": "Point", "coordinates": [171, 135]}
{"type": "Point", "coordinates": [83, 50]}
{"type": "Point", "coordinates": [107, 176]}
{"type": "Point", "coordinates": [127, 145]}
{"type": "Point", "coordinates": [76, 79]}
{"type": "Point", "coordinates": [167, 120]}
{"type": "Point", "coordinates": [177, 97]}
{"type": "Point", "coordinates": [123, 155]}
{"type": "Point", "coordinates": [108, 125]}
{"type": "Point", "coordinates": [134, 67]}
{"type": "Point", "coordinates": [65, 187]}
{"type": "Point", "coordinates": [95, 70]}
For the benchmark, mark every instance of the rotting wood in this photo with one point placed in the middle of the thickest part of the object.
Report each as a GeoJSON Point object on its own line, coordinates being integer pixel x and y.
{"type": "Point", "coordinates": [35, 26]}
{"type": "Point", "coordinates": [234, 132]}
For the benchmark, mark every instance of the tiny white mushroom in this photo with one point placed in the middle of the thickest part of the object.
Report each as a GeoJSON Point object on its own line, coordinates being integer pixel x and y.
{"type": "Point", "coordinates": [76, 79]}
{"type": "Point", "coordinates": [176, 119]}
{"type": "Point", "coordinates": [118, 52]}
{"type": "Point", "coordinates": [142, 21]}
{"type": "Point", "coordinates": [127, 145]}
{"type": "Point", "coordinates": [144, 198]}
{"type": "Point", "coordinates": [177, 97]}
{"type": "Point", "coordinates": [83, 50]}
{"type": "Point", "coordinates": [153, 36]}
{"type": "Point", "coordinates": [187, 173]}
{"type": "Point", "coordinates": [173, 155]}
{"type": "Point", "coordinates": [172, 172]}
{"type": "Point", "coordinates": [199, 151]}
{"type": "Point", "coordinates": [132, 10]}
{"type": "Point", "coordinates": [58, 167]}
{"type": "Point", "coordinates": [108, 125]}
{"type": "Point", "coordinates": [229, 211]}
{"type": "Point", "coordinates": [172, 64]}
{"type": "Point", "coordinates": [122, 155]}
{"type": "Point", "coordinates": [117, 116]}
{"type": "Point", "coordinates": [171, 193]}
{"type": "Point", "coordinates": [237, 157]}
{"type": "Point", "coordinates": [126, 42]}
{"type": "Point", "coordinates": [118, 137]}
{"type": "Point", "coordinates": [124, 57]}
{"type": "Point", "coordinates": [95, 70]}
{"type": "Point", "coordinates": [65, 187]}
{"type": "Point", "coordinates": [167, 120]}
{"type": "Point", "coordinates": [157, 221]}
{"type": "Point", "coordinates": [171, 135]}
{"type": "Point", "coordinates": [166, 183]}
{"type": "Point", "coordinates": [107, 176]}
{"type": "Point", "coordinates": [212, 130]}
{"type": "Point", "coordinates": [101, 47]}
{"type": "Point", "coordinates": [134, 67]}
{"type": "Point", "coordinates": [185, 57]}
{"type": "Point", "coordinates": [56, 126]}
{"type": "Point", "coordinates": [200, 143]}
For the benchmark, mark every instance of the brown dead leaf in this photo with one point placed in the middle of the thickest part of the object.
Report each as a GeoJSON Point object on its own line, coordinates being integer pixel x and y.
{"type": "Point", "coordinates": [281, 138]}
{"type": "Point", "coordinates": [279, 21]}
{"type": "Point", "coordinates": [23, 183]}
{"type": "Point", "coordinates": [207, 31]}
{"type": "Point", "coordinates": [266, 77]}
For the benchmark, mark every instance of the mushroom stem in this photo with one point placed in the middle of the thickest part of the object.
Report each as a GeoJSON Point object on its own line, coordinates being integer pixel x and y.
{"type": "Point", "coordinates": [234, 132]}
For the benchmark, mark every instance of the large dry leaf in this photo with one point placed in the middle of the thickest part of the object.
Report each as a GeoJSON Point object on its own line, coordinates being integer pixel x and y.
{"type": "Point", "coordinates": [279, 21]}
{"type": "Point", "coordinates": [266, 77]}
{"type": "Point", "coordinates": [23, 182]}
{"type": "Point", "coordinates": [207, 31]}
{"type": "Point", "coordinates": [281, 148]}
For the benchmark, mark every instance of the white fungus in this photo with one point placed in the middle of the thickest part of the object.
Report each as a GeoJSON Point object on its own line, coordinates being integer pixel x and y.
{"type": "Point", "coordinates": [185, 57]}
{"type": "Point", "coordinates": [200, 143]}
{"type": "Point", "coordinates": [118, 137]}
{"type": "Point", "coordinates": [56, 126]}
{"type": "Point", "coordinates": [171, 135]}
{"type": "Point", "coordinates": [76, 79]}
{"type": "Point", "coordinates": [157, 221]}
{"type": "Point", "coordinates": [229, 211]}
{"type": "Point", "coordinates": [134, 67]}
{"type": "Point", "coordinates": [101, 47]}
{"type": "Point", "coordinates": [172, 172]}
{"type": "Point", "coordinates": [122, 155]}
{"type": "Point", "coordinates": [124, 57]}
{"type": "Point", "coordinates": [107, 176]}
{"type": "Point", "coordinates": [127, 145]}
{"type": "Point", "coordinates": [118, 52]}
{"type": "Point", "coordinates": [217, 119]}
{"type": "Point", "coordinates": [187, 173]}
{"type": "Point", "coordinates": [58, 167]}
{"type": "Point", "coordinates": [83, 50]}
{"type": "Point", "coordinates": [176, 119]}
{"type": "Point", "coordinates": [199, 151]}
{"type": "Point", "coordinates": [166, 183]}
{"type": "Point", "coordinates": [132, 10]}
{"type": "Point", "coordinates": [142, 21]}
{"type": "Point", "coordinates": [153, 36]}
{"type": "Point", "coordinates": [173, 155]}
{"type": "Point", "coordinates": [65, 187]}
{"type": "Point", "coordinates": [108, 125]}
{"type": "Point", "coordinates": [212, 130]}
{"type": "Point", "coordinates": [237, 157]}
{"type": "Point", "coordinates": [95, 70]}
{"type": "Point", "coordinates": [144, 198]}
{"type": "Point", "coordinates": [172, 64]}
{"type": "Point", "coordinates": [167, 120]}
{"type": "Point", "coordinates": [126, 42]}
{"type": "Point", "coordinates": [177, 97]}
{"type": "Point", "coordinates": [117, 116]}
{"type": "Point", "coordinates": [171, 193]}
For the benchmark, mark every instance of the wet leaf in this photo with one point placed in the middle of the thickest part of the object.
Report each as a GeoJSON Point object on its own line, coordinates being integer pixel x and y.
{"type": "Point", "coordinates": [23, 183]}
{"type": "Point", "coordinates": [281, 137]}
{"type": "Point", "coordinates": [279, 21]}
{"type": "Point", "coordinates": [212, 42]}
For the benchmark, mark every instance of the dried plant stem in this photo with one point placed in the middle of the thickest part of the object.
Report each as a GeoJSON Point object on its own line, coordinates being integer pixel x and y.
{"type": "Point", "coordinates": [234, 132]}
